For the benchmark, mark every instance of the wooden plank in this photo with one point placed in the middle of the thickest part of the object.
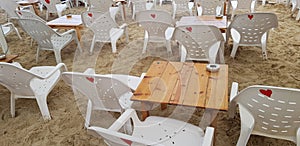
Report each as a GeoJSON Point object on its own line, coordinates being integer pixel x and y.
{"type": "Point", "coordinates": [157, 68]}
{"type": "Point", "coordinates": [203, 78]}
{"type": "Point", "coordinates": [9, 58]}
{"type": "Point", "coordinates": [192, 87]}
{"type": "Point", "coordinates": [165, 85]}
{"type": "Point", "coordinates": [217, 97]}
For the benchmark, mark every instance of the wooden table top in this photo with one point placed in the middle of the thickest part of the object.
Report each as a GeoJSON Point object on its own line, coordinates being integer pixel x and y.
{"type": "Point", "coordinates": [203, 20]}
{"type": "Point", "coordinates": [9, 58]}
{"type": "Point", "coordinates": [184, 83]}
{"type": "Point", "coordinates": [64, 21]}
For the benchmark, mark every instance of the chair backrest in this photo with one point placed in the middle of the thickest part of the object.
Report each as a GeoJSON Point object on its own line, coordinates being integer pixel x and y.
{"type": "Point", "coordinates": [28, 15]}
{"type": "Point", "coordinates": [39, 31]}
{"type": "Point", "coordinates": [50, 5]}
{"type": "Point", "coordinates": [103, 91]}
{"type": "Point", "coordinates": [275, 109]}
{"type": "Point", "coordinates": [252, 26]}
{"type": "Point", "coordinates": [244, 4]}
{"type": "Point", "coordinates": [209, 6]}
{"type": "Point", "coordinates": [100, 5]}
{"type": "Point", "coordinates": [182, 5]}
{"type": "Point", "coordinates": [3, 42]}
{"type": "Point", "coordinates": [16, 79]}
{"type": "Point", "coordinates": [139, 5]}
{"type": "Point", "coordinates": [198, 39]}
{"type": "Point", "coordinates": [155, 22]}
{"type": "Point", "coordinates": [100, 23]}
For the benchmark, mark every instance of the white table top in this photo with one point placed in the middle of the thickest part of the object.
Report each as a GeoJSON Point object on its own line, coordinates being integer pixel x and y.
{"type": "Point", "coordinates": [64, 21]}
{"type": "Point", "coordinates": [203, 20]}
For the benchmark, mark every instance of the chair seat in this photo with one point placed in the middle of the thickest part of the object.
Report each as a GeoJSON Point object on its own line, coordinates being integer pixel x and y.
{"type": "Point", "coordinates": [168, 131]}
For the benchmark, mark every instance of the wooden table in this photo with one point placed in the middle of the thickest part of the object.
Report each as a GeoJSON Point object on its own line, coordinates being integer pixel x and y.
{"type": "Point", "coordinates": [68, 23]}
{"type": "Point", "coordinates": [204, 20]}
{"type": "Point", "coordinates": [9, 58]}
{"type": "Point", "coordinates": [30, 2]}
{"type": "Point", "coordinates": [184, 83]}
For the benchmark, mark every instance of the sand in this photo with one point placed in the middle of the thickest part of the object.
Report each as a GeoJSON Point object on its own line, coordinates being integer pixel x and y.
{"type": "Point", "coordinates": [67, 124]}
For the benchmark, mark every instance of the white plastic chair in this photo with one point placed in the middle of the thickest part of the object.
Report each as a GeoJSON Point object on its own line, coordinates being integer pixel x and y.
{"type": "Point", "coordinates": [252, 30]}
{"type": "Point", "coordinates": [54, 6]}
{"type": "Point", "coordinates": [105, 29]}
{"type": "Point", "coordinates": [242, 5]}
{"type": "Point", "coordinates": [104, 6]}
{"type": "Point", "coordinates": [210, 7]}
{"type": "Point", "coordinates": [200, 43]}
{"type": "Point", "coordinates": [8, 28]}
{"type": "Point", "coordinates": [139, 5]}
{"type": "Point", "coordinates": [47, 38]}
{"type": "Point", "coordinates": [110, 92]}
{"type": "Point", "coordinates": [179, 6]}
{"type": "Point", "coordinates": [35, 83]}
{"type": "Point", "coordinates": [10, 6]}
{"type": "Point", "coordinates": [267, 111]}
{"type": "Point", "coordinates": [158, 26]}
{"type": "Point", "coordinates": [154, 130]}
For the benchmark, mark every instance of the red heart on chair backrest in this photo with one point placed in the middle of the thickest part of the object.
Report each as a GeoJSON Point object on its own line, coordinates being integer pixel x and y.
{"type": "Point", "coordinates": [266, 92]}
{"type": "Point", "coordinates": [91, 79]}
{"type": "Point", "coordinates": [47, 1]}
{"type": "Point", "coordinates": [129, 142]}
{"type": "Point", "coordinates": [153, 15]}
{"type": "Point", "coordinates": [90, 14]}
{"type": "Point", "coordinates": [189, 29]}
{"type": "Point", "coordinates": [250, 16]}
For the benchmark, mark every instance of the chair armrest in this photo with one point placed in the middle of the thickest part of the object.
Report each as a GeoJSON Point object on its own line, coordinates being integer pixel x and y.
{"type": "Point", "coordinates": [8, 24]}
{"type": "Point", "coordinates": [208, 137]}
{"type": "Point", "coordinates": [233, 93]}
{"type": "Point", "coordinates": [169, 33]}
{"type": "Point", "coordinates": [111, 135]}
{"type": "Point", "coordinates": [59, 66]}
{"type": "Point", "coordinates": [89, 71]}
{"type": "Point", "coordinates": [121, 121]}
{"type": "Point", "coordinates": [68, 32]}
{"type": "Point", "coordinates": [124, 25]}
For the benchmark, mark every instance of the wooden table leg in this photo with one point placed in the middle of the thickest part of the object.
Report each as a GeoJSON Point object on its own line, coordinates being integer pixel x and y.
{"type": "Point", "coordinates": [163, 106]}
{"type": "Point", "coordinates": [144, 112]}
{"type": "Point", "coordinates": [78, 32]}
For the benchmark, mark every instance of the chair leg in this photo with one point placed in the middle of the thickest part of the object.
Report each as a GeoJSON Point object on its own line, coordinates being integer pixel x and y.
{"type": "Point", "coordinates": [174, 10]}
{"type": "Point", "coordinates": [12, 105]}
{"type": "Point", "coordinates": [42, 103]}
{"type": "Point", "coordinates": [168, 45]}
{"type": "Point", "coordinates": [114, 46]}
{"type": "Point", "coordinates": [47, 15]}
{"type": "Point", "coordinates": [88, 114]}
{"type": "Point", "coordinates": [234, 49]}
{"type": "Point", "coordinates": [264, 50]}
{"type": "Point", "coordinates": [298, 15]}
{"type": "Point", "coordinates": [145, 42]}
{"type": "Point", "coordinates": [57, 56]}
{"type": "Point", "coordinates": [17, 32]}
{"type": "Point", "coordinates": [92, 45]}
{"type": "Point", "coordinates": [37, 55]}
